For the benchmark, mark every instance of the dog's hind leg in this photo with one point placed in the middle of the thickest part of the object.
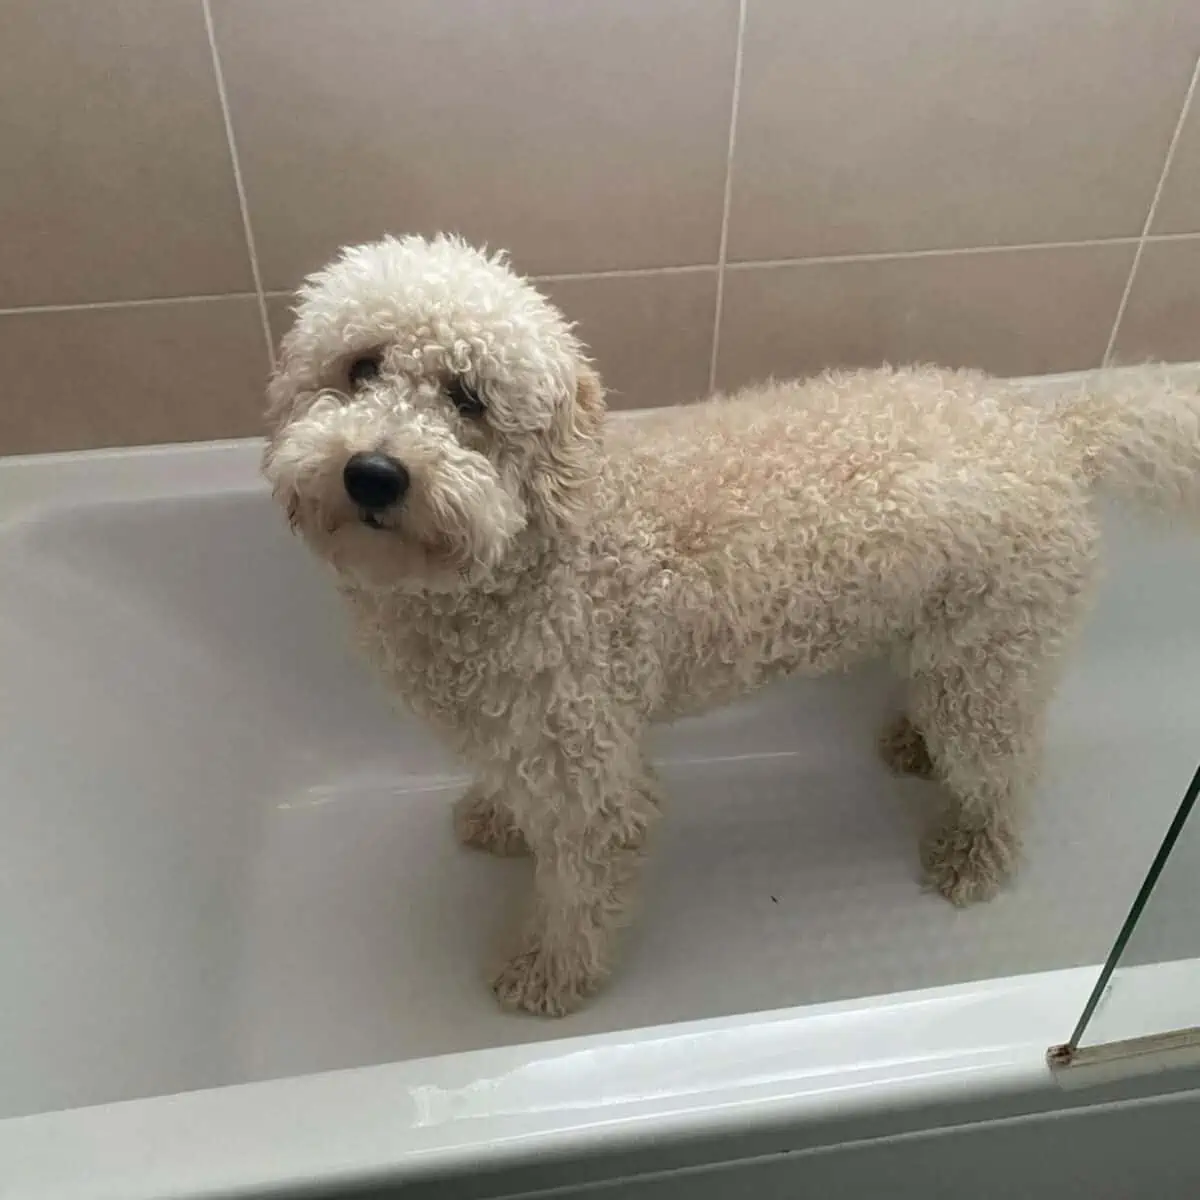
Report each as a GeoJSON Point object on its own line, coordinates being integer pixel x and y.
{"type": "Point", "coordinates": [588, 849]}
{"type": "Point", "coordinates": [483, 819]}
{"type": "Point", "coordinates": [979, 696]}
{"type": "Point", "coordinates": [984, 751]}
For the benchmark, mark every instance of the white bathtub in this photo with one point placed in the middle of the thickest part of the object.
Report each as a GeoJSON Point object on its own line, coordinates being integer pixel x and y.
{"type": "Point", "coordinates": [229, 893]}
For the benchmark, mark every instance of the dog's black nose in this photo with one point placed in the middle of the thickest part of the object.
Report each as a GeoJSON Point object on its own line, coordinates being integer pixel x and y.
{"type": "Point", "coordinates": [374, 481]}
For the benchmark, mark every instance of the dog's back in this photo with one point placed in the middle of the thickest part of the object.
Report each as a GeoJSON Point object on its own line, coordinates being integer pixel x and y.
{"type": "Point", "coordinates": [805, 526]}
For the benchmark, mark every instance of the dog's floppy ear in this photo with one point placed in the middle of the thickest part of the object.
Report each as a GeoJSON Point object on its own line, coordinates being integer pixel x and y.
{"type": "Point", "coordinates": [570, 460]}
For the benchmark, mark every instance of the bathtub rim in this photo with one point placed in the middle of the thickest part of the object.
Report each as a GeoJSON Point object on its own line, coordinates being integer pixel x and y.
{"type": "Point", "coordinates": [826, 1073]}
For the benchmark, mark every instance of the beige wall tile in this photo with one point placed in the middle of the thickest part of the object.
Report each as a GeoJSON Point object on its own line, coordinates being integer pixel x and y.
{"type": "Point", "coordinates": [1012, 312]}
{"type": "Point", "coordinates": [650, 335]}
{"type": "Point", "coordinates": [869, 127]}
{"type": "Point", "coordinates": [184, 371]}
{"type": "Point", "coordinates": [117, 182]}
{"type": "Point", "coordinates": [1179, 205]}
{"type": "Point", "coordinates": [1162, 318]}
{"type": "Point", "coordinates": [280, 315]}
{"type": "Point", "coordinates": [580, 135]}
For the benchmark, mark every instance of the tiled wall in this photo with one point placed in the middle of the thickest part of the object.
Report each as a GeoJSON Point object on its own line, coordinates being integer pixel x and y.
{"type": "Point", "coordinates": [717, 191]}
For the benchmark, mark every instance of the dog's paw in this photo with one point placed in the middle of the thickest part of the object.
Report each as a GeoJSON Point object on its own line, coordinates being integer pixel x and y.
{"type": "Point", "coordinates": [545, 984]}
{"type": "Point", "coordinates": [481, 820]}
{"type": "Point", "coordinates": [970, 864]}
{"type": "Point", "coordinates": [902, 747]}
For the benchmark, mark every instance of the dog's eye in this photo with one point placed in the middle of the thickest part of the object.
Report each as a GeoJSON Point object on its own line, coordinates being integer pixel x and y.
{"type": "Point", "coordinates": [464, 398]}
{"type": "Point", "coordinates": [363, 369]}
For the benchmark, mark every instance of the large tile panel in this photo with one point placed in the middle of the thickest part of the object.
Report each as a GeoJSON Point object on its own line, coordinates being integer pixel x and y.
{"type": "Point", "coordinates": [117, 181]}
{"type": "Point", "coordinates": [582, 136]}
{"type": "Point", "coordinates": [1162, 317]}
{"type": "Point", "coordinates": [868, 127]}
{"type": "Point", "coordinates": [145, 373]}
{"type": "Point", "coordinates": [1179, 205]}
{"type": "Point", "coordinates": [280, 315]}
{"type": "Point", "coordinates": [650, 335]}
{"type": "Point", "coordinates": [1012, 312]}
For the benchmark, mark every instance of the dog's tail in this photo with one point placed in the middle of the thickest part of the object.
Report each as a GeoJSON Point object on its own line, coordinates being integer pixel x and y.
{"type": "Point", "coordinates": [1138, 433]}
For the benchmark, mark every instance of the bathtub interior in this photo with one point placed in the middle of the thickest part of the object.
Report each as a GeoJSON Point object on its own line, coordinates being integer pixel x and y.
{"type": "Point", "coordinates": [226, 859]}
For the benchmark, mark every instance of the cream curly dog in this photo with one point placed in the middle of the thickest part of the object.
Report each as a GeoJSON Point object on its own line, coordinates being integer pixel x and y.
{"type": "Point", "coordinates": [542, 589]}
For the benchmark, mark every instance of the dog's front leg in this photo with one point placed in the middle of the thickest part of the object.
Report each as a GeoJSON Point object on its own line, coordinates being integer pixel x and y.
{"type": "Point", "coordinates": [587, 840]}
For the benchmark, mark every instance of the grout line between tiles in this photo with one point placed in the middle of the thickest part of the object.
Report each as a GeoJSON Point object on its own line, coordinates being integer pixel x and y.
{"type": "Point", "coordinates": [636, 272]}
{"type": "Point", "coordinates": [897, 255]}
{"type": "Point", "coordinates": [621, 273]}
{"type": "Point", "coordinates": [1174, 237]}
{"type": "Point", "coordinates": [831, 259]}
{"type": "Point", "coordinates": [101, 305]}
{"type": "Point", "coordinates": [1172, 146]}
{"type": "Point", "coordinates": [239, 183]}
{"type": "Point", "coordinates": [727, 196]}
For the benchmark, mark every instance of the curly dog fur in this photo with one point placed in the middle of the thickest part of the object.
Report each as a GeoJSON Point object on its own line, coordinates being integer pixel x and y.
{"type": "Point", "coordinates": [545, 588]}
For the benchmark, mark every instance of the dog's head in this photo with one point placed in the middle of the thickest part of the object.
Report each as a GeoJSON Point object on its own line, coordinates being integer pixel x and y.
{"type": "Point", "coordinates": [429, 406]}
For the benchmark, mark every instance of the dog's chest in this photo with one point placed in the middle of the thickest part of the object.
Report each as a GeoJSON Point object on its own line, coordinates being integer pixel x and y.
{"type": "Point", "coordinates": [472, 669]}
